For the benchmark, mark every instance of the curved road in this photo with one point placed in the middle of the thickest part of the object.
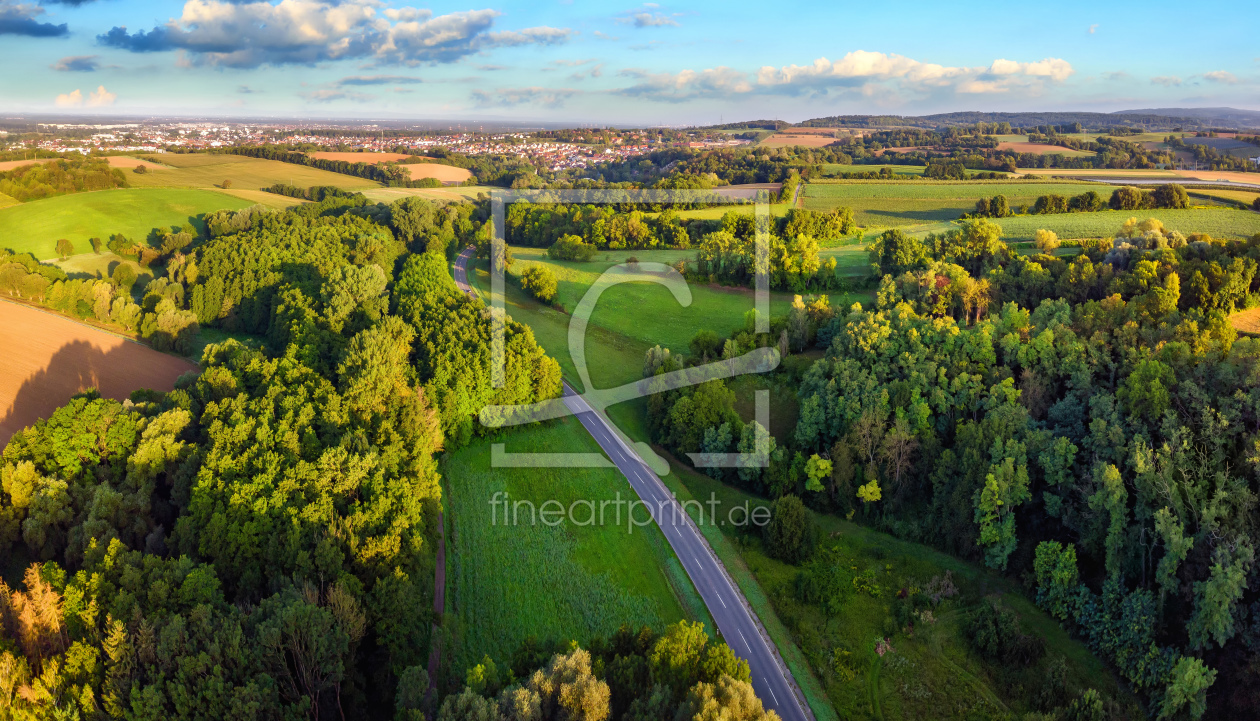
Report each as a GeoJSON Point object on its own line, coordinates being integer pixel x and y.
{"type": "Point", "coordinates": [740, 627]}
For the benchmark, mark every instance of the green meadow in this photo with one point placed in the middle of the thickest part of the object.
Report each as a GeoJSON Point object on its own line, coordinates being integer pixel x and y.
{"type": "Point", "coordinates": [1217, 222]}
{"type": "Point", "coordinates": [36, 226]}
{"type": "Point", "coordinates": [901, 203]}
{"type": "Point", "coordinates": [562, 582]}
{"type": "Point", "coordinates": [209, 170]}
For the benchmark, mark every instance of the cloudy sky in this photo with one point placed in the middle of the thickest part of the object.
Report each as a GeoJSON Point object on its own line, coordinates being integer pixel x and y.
{"type": "Point", "coordinates": [675, 63]}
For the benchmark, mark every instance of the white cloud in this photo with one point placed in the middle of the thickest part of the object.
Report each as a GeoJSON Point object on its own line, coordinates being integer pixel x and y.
{"type": "Point", "coordinates": [72, 99]}
{"type": "Point", "coordinates": [249, 34]}
{"type": "Point", "coordinates": [1220, 76]}
{"type": "Point", "coordinates": [328, 95]}
{"type": "Point", "coordinates": [503, 97]}
{"type": "Point", "coordinates": [100, 97]}
{"type": "Point", "coordinates": [688, 84]}
{"type": "Point", "coordinates": [95, 99]}
{"type": "Point", "coordinates": [1093, 28]}
{"type": "Point", "coordinates": [861, 68]}
{"type": "Point", "coordinates": [1167, 81]}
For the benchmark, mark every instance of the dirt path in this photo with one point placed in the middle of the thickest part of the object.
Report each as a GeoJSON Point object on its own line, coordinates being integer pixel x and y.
{"type": "Point", "coordinates": [47, 358]}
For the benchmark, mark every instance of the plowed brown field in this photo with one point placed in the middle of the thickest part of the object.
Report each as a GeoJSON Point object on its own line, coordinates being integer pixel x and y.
{"type": "Point", "coordinates": [46, 358]}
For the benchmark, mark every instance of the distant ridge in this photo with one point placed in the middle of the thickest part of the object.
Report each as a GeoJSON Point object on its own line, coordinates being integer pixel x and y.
{"type": "Point", "coordinates": [1158, 119]}
{"type": "Point", "coordinates": [1234, 115]}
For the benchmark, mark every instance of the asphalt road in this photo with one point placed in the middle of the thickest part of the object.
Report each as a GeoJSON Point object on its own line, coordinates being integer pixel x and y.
{"type": "Point", "coordinates": [739, 626]}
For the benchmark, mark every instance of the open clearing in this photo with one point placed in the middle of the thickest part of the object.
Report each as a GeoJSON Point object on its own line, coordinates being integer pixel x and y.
{"type": "Point", "coordinates": [1044, 149]}
{"type": "Point", "coordinates": [209, 170]}
{"type": "Point", "coordinates": [444, 173]}
{"type": "Point", "coordinates": [1217, 222]}
{"type": "Point", "coordinates": [60, 357]}
{"type": "Point", "coordinates": [36, 226]}
{"type": "Point", "coordinates": [808, 137]}
{"type": "Point", "coordinates": [1247, 321]}
{"type": "Point", "coordinates": [557, 583]}
{"type": "Point", "coordinates": [100, 265]}
{"type": "Point", "coordinates": [115, 161]}
{"type": "Point", "coordinates": [900, 203]}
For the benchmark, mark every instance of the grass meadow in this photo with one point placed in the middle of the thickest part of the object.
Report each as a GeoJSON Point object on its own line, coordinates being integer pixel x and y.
{"type": "Point", "coordinates": [1246, 197]}
{"type": "Point", "coordinates": [1217, 222]}
{"type": "Point", "coordinates": [36, 226]}
{"type": "Point", "coordinates": [566, 582]}
{"type": "Point", "coordinates": [901, 203]}
{"type": "Point", "coordinates": [209, 170]}
{"type": "Point", "coordinates": [931, 671]}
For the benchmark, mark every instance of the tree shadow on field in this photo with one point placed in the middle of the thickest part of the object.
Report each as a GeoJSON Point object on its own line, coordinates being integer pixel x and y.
{"type": "Point", "coordinates": [75, 367]}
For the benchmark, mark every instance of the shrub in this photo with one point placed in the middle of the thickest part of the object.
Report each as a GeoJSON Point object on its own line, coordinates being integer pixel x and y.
{"type": "Point", "coordinates": [124, 276]}
{"type": "Point", "coordinates": [1126, 198]}
{"type": "Point", "coordinates": [1047, 240]}
{"type": "Point", "coordinates": [705, 343]}
{"type": "Point", "coordinates": [1255, 204]}
{"type": "Point", "coordinates": [226, 184]}
{"type": "Point", "coordinates": [140, 170]}
{"type": "Point", "coordinates": [571, 247]}
{"type": "Point", "coordinates": [996, 635]}
{"type": "Point", "coordinates": [539, 282]}
{"type": "Point", "coordinates": [790, 535]}
{"type": "Point", "coordinates": [1171, 195]}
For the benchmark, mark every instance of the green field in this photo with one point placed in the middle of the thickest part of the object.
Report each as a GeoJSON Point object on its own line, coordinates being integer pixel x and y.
{"type": "Point", "coordinates": [7, 200]}
{"type": "Point", "coordinates": [36, 226]}
{"type": "Point", "coordinates": [100, 265]}
{"type": "Point", "coordinates": [206, 170]}
{"type": "Point", "coordinates": [1246, 197]}
{"type": "Point", "coordinates": [836, 169]}
{"type": "Point", "coordinates": [1217, 222]}
{"type": "Point", "coordinates": [900, 203]}
{"type": "Point", "coordinates": [564, 582]}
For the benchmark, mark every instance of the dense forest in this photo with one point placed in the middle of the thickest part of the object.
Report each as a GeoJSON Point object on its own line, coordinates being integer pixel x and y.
{"type": "Point", "coordinates": [1089, 424]}
{"type": "Point", "coordinates": [60, 177]}
{"type": "Point", "coordinates": [258, 543]}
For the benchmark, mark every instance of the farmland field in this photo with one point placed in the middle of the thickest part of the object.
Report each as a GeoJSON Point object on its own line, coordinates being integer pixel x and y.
{"type": "Point", "coordinates": [209, 170]}
{"type": "Point", "coordinates": [1240, 196]}
{"type": "Point", "coordinates": [899, 203]}
{"type": "Point", "coordinates": [563, 582]}
{"type": "Point", "coordinates": [34, 227]}
{"type": "Point", "coordinates": [808, 137]}
{"type": "Point", "coordinates": [60, 357]}
{"type": "Point", "coordinates": [444, 173]}
{"type": "Point", "coordinates": [1045, 149]}
{"type": "Point", "coordinates": [1217, 222]}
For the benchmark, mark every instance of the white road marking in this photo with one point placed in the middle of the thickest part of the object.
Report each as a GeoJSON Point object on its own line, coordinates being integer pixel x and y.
{"type": "Point", "coordinates": [720, 599]}
{"type": "Point", "coordinates": [747, 647]}
{"type": "Point", "coordinates": [767, 683]}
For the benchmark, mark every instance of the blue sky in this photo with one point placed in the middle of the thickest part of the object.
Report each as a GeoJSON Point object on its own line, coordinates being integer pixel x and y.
{"type": "Point", "coordinates": [676, 63]}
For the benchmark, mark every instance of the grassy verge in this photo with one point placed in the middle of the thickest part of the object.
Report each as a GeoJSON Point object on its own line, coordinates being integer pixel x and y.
{"type": "Point", "coordinates": [563, 582]}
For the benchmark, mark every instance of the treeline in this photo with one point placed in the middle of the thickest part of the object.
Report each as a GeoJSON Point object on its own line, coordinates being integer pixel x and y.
{"type": "Point", "coordinates": [1167, 196]}
{"type": "Point", "coordinates": [388, 173]}
{"type": "Point", "coordinates": [257, 543]}
{"type": "Point", "coordinates": [60, 177]}
{"type": "Point", "coordinates": [633, 676]}
{"type": "Point", "coordinates": [1087, 423]}
{"type": "Point", "coordinates": [158, 318]}
{"type": "Point", "coordinates": [613, 228]}
{"type": "Point", "coordinates": [728, 253]}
